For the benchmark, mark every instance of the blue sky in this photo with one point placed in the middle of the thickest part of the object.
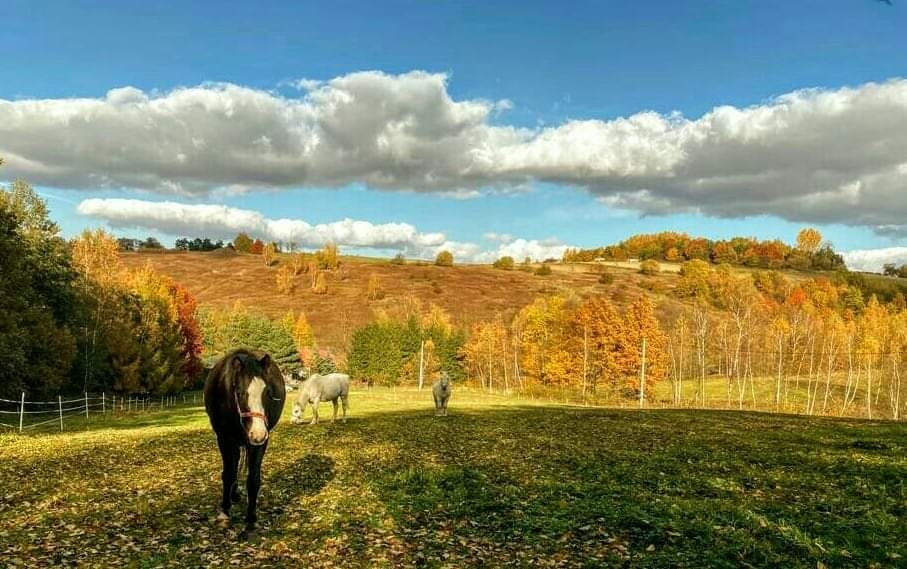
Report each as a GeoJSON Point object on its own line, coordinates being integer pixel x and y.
{"type": "Point", "coordinates": [553, 62]}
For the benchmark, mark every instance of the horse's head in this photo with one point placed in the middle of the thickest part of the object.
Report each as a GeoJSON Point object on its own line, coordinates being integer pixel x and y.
{"type": "Point", "coordinates": [248, 382]}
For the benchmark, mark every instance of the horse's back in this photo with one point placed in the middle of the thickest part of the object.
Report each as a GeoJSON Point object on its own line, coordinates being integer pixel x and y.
{"type": "Point", "coordinates": [336, 385]}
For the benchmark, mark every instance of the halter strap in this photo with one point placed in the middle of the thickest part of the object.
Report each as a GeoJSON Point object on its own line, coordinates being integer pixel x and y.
{"type": "Point", "coordinates": [251, 414]}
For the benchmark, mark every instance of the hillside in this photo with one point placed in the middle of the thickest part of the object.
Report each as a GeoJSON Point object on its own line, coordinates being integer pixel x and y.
{"type": "Point", "coordinates": [469, 293]}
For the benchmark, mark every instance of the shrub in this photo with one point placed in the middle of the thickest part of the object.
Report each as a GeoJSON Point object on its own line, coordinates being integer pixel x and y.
{"type": "Point", "coordinates": [444, 259]}
{"type": "Point", "coordinates": [258, 247]}
{"type": "Point", "coordinates": [285, 282]}
{"type": "Point", "coordinates": [243, 243]}
{"type": "Point", "coordinates": [649, 267]}
{"type": "Point", "coordinates": [298, 264]}
{"type": "Point", "coordinates": [328, 257]}
{"type": "Point", "coordinates": [374, 292]}
{"type": "Point", "coordinates": [398, 259]}
{"type": "Point", "coordinates": [605, 278]}
{"type": "Point", "coordinates": [543, 271]}
{"type": "Point", "coordinates": [269, 254]}
{"type": "Point", "coordinates": [321, 285]}
{"type": "Point", "coordinates": [504, 263]}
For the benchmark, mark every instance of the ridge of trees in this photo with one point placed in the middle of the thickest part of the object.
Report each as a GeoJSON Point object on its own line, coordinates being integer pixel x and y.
{"type": "Point", "coordinates": [809, 252]}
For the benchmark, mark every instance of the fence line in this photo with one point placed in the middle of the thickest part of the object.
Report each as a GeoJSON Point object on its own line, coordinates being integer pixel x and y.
{"type": "Point", "coordinates": [87, 406]}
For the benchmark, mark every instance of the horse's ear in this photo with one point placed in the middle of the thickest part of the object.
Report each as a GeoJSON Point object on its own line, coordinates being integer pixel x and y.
{"type": "Point", "coordinates": [265, 360]}
{"type": "Point", "coordinates": [235, 364]}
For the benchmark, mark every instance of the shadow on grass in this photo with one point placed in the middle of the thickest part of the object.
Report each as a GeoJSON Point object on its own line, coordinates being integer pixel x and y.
{"type": "Point", "coordinates": [515, 485]}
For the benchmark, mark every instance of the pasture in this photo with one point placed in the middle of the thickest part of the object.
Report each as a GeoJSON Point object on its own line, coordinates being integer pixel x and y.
{"type": "Point", "coordinates": [502, 481]}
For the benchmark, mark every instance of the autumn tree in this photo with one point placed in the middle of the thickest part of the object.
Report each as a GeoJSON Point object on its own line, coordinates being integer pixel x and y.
{"type": "Point", "coordinates": [808, 240]}
{"type": "Point", "coordinates": [505, 263]}
{"type": "Point", "coordinates": [284, 278]}
{"type": "Point", "coordinates": [641, 325]}
{"type": "Point", "coordinates": [269, 254]}
{"type": "Point", "coordinates": [444, 259]}
{"type": "Point", "coordinates": [257, 247]}
{"type": "Point", "coordinates": [302, 332]}
{"type": "Point", "coordinates": [320, 286]}
{"type": "Point", "coordinates": [328, 257]}
{"type": "Point", "coordinates": [373, 290]}
{"type": "Point", "coordinates": [243, 243]}
{"type": "Point", "coordinates": [298, 263]}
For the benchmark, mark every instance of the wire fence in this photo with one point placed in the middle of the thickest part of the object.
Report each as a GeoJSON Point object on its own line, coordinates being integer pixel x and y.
{"type": "Point", "coordinates": [23, 415]}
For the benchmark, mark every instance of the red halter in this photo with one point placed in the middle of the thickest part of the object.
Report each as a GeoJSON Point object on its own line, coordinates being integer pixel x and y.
{"type": "Point", "coordinates": [252, 414]}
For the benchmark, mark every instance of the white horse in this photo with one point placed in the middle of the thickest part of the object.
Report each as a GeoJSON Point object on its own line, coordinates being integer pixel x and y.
{"type": "Point", "coordinates": [318, 388]}
{"type": "Point", "coordinates": [441, 392]}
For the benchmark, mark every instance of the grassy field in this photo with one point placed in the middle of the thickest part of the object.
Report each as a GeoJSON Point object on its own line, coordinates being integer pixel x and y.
{"type": "Point", "coordinates": [501, 481]}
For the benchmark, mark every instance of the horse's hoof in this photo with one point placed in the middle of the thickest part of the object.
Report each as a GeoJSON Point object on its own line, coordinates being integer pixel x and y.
{"type": "Point", "coordinates": [222, 520]}
{"type": "Point", "coordinates": [248, 533]}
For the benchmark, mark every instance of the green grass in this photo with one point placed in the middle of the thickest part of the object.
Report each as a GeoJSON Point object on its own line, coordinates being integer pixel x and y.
{"type": "Point", "coordinates": [501, 481]}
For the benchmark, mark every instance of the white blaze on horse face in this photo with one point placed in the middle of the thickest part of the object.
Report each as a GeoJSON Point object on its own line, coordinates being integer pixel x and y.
{"type": "Point", "coordinates": [258, 433]}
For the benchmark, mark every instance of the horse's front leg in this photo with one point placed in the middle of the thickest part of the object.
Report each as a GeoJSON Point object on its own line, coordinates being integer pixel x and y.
{"type": "Point", "coordinates": [334, 418]}
{"type": "Point", "coordinates": [315, 411]}
{"type": "Point", "coordinates": [254, 456]}
{"type": "Point", "coordinates": [229, 454]}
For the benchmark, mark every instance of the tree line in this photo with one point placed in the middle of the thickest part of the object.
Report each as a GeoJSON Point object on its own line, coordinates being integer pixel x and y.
{"type": "Point", "coordinates": [816, 346]}
{"type": "Point", "coordinates": [809, 252]}
{"type": "Point", "coordinates": [73, 319]}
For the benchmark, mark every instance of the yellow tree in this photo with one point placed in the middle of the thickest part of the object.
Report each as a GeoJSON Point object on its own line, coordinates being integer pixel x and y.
{"type": "Point", "coordinates": [96, 256]}
{"type": "Point", "coordinates": [303, 336]}
{"type": "Point", "coordinates": [808, 240]}
{"type": "Point", "coordinates": [286, 284]}
{"type": "Point", "coordinates": [485, 355]}
{"type": "Point", "coordinates": [540, 326]}
{"type": "Point", "coordinates": [321, 285]}
{"type": "Point", "coordinates": [328, 257]}
{"type": "Point", "coordinates": [373, 291]}
{"type": "Point", "coordinates": [444, 259]}
{"type": "Point", "coordinates": [640, 324]}
{"type": "Point", "coordinates": [596, 331]}
{"type": "Point", "coordinates": [269, 254]}
{"type": "Point", "coordinates": [298, 263]}
{"type": "Point", "coordinates": [871, 327]}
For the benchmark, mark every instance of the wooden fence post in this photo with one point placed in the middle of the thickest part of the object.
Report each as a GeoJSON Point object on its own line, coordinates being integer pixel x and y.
{"type": "Point", "coordinates": [103, 403]}
{"type": "Point", "coordinates": [421, 366]}
{"type": "Point", "coordinates": [21, 411]}
{"type": "Point", "coordinates": [60, 406]}
{"type": "Point", "coordinates": [86, 406]}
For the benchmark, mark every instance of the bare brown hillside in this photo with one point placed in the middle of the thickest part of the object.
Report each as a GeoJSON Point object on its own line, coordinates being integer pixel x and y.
{"type": "Point", "coordinates": [469, 293]}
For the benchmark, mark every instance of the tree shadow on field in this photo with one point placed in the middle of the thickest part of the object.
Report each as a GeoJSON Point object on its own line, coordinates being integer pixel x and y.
{"type": "Point", "coordinates": [146, 504]}
{"type": "Point", "coordinates": [494, 486]}
{"type": "Point", "coordinates": [592, 487]}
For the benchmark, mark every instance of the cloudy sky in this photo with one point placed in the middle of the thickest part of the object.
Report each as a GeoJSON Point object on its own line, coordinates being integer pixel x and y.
{"type": "Point", "coordinates": [487, 130]}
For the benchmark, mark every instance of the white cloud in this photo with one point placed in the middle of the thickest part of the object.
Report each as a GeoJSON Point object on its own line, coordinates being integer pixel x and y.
{"type": "Point", "coordinates": [501, 237]}
{"type": "Point", "coordinates": [811, 155]}
{"type": "Point", "coordinates": [223, 222]}
{"type": "Point", "coordinates": [872, 260]}
{"type": "Point", "coordinates": [519, 249]}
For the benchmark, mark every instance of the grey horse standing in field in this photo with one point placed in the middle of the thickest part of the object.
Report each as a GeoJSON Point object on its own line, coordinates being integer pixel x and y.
{"type": "Point", "coordinates": [441, 392]}
{"type": "Point", "coordinates": [318, 388]}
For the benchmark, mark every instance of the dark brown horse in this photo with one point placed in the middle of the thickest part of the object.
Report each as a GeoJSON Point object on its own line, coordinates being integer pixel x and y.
{"type": "Point", "coordinates": [244, 396]}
